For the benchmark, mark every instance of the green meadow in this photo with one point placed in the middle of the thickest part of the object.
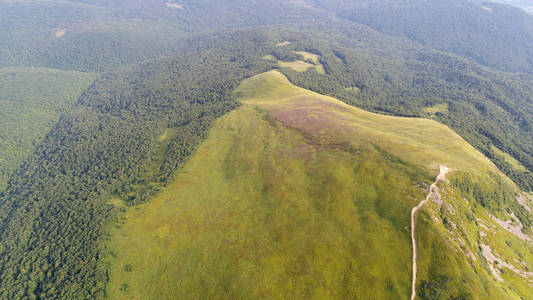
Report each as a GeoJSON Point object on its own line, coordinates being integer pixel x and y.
{"type": "Point", "coordinates": [437, 108]}
{"type": "Point", "coordinates": [310, 61]}
{"type": "Point", "coordinates": [298, 65]}
{"type": "Point", "coordinates": [298, 195]}
{"type": "Point", "coordinates": [509, 159]}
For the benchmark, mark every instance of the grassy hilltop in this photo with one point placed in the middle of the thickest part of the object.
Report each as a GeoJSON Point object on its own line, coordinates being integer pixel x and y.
{"type": "Point", "coordinates": [298, 195]}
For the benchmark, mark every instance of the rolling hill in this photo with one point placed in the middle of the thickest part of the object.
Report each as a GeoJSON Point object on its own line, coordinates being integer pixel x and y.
{"type": "Point", "coordinates": [135, 128]}
{"type": "Point", "coordinates": [102, 35]}
{"type": "Point", "coordinates": [299, 195]}
{"type": "Point", "coordinates": [265, 149]}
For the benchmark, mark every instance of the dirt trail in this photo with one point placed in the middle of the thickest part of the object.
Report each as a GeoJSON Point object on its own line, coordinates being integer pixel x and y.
{"type": "Point", "coordinates": [433, 192]}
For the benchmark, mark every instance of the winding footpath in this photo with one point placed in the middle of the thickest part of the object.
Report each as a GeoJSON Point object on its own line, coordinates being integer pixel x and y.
{"type": "Point", "coordinates": [433, 192]}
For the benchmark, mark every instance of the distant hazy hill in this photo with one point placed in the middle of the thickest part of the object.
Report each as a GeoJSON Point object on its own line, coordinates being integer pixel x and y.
{"type": "Point", "coordinates": [527, 5]}
{"type": "Point", "coordinates": [495, 35]}
{"type": "Point", "coordinates": [76, 36]}
{"type": "Point", "coordinates": [118, 31]}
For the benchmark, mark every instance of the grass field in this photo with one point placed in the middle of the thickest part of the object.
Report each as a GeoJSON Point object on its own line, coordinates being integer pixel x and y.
{"type": "Point", "coordinates": [281, 44]}
{"type": "Point", "coordinates": [511, 160]}
{"type": "Point", "coordinates": [418, 141]}
{"type": "Point", "coordinates": [311, 56]}
{"type": "Point", "coordinates": [301, 65]}
{"type": "Point", "coordinates": [269, 57]}
{"type": "Point", "coordinates": [32, 99]}
{"type": "Point", "coordinates": [298, 65]}
{"type": "Point", "coordinates": [353, 89]}
{"type": "Point", "coordinates": [298, 195]}
{"type": "Point", "coordinates": [437, 108]}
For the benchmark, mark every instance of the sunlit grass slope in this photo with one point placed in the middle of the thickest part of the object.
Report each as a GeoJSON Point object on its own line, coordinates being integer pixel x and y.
{"type": "Point", "coordinates": [31, 101]}
{"type": "Point", "coordinates": [328, 120]}
{"type": "Point", "coordinates": [294, 195]}
{"type": "Point", "coordinates": [261, 211]}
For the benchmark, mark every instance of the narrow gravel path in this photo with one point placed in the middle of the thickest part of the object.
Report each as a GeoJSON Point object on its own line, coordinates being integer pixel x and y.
{"type": "Point", "coordinates": [433, 192]}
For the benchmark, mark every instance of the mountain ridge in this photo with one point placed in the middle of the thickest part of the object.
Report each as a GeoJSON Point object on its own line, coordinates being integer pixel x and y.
{"type": "Point", "coordinates": [255, 157]}
{"type": "Point", "coordinates": [131, 183]}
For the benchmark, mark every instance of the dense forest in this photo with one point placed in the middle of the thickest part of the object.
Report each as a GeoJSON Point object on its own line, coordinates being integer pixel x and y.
{"type": "Point", "coordinates": [32, 100]}
{"type": "Point", "coordinates": [72, 36]}
{"type": "Point", "coordinates": [101, 34]}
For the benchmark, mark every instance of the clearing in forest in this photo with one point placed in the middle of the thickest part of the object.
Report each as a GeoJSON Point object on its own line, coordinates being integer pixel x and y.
{"type": "Point", "coordinates": [284, 43]}
{"type": "Point", "coordinates": [308, 55]}
{"type": "Point", "coordinates": [298, 65]}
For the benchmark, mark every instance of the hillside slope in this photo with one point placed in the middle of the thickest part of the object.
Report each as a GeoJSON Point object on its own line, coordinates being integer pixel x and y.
{"type": "Point", "coordinates": [32, 100]}
{"type": "Point", "coordinates": [52, 213]}
{"type": "Point", "coordinates": [136, 126]}
{"type": "Point", "coordinates": [299, 195]}
{"type": "Point", "coordinates": [491, 110]}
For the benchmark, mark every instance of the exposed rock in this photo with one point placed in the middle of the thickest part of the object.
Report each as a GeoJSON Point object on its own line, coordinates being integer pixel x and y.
{"type": "Point", "coordinates": [525, 201]}
{"type": "Point", "coordinates": [493, 259]}
{"type": "Point", "coordinates": [510, 226]}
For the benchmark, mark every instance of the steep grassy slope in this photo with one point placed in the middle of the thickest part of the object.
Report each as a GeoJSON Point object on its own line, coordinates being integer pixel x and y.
{"type": "Point", "coordinates": [32, 100]}
{"type": "Point", "coordinates": [298, 195]}
{"type": "Point", "coordinates": [52, 211]}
